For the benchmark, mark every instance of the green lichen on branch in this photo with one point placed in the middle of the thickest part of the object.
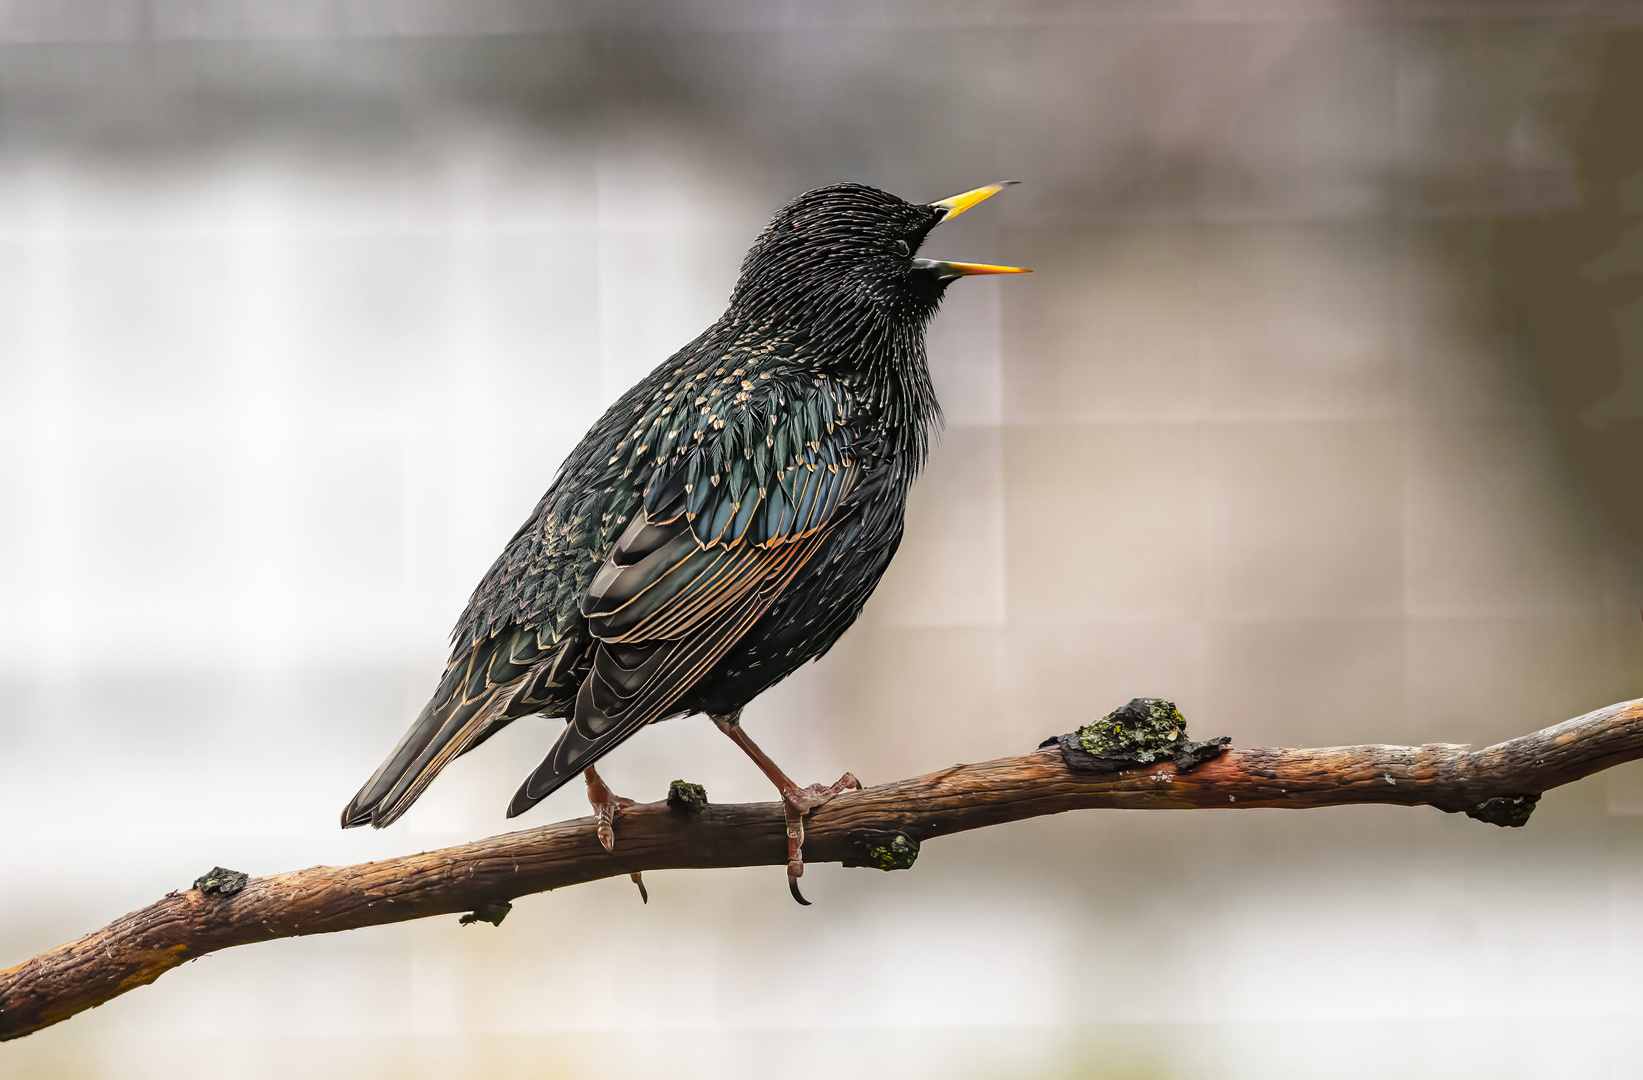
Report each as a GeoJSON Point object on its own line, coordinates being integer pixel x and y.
{"type": "Point", "coordinates": [685, 796]}
{"type": "Point", "coordinates": [898, 854]}
{"type": "Point", "coordinates": [1143, 732]}
{"type": "Point", "coordinates": [1146, 730]}
{"type": "Point", "coordinates": [221, 881]}
{"type": "Point", "coordinates": [882, 850]}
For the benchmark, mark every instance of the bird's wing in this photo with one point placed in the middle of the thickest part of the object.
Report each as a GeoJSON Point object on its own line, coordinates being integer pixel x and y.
{"type": "Point", "coordinates": [729, 519]}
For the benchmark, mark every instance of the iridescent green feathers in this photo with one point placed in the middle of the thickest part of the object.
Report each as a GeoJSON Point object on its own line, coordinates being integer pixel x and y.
{"type": "Point", "coordinates": [733, 511]}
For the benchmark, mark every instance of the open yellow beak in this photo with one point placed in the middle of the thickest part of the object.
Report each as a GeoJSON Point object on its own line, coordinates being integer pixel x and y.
{"type": "Point", "coordinates": [953, 207]}
{"type": "Point", "coordinates": [960, 203]}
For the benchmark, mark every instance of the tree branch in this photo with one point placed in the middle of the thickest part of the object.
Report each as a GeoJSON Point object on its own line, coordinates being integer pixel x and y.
{"type": "Point", "coordinates": [876, 826]}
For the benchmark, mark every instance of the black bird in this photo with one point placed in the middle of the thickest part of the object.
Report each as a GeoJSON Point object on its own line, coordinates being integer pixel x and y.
{"type": "Point", "coordinates": [721, 524]}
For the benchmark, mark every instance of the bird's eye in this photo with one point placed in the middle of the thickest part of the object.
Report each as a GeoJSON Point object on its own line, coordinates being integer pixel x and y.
{"type": "Point", "coordinates": [902, 249]}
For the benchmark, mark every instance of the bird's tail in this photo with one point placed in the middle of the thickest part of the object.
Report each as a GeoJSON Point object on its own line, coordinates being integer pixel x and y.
{"type": "Point", "coordinates": [447, 727]}
{"type": "Point", "coordinates": [475, 699]}
{"type": "Point", "coordinates": [363, 808]}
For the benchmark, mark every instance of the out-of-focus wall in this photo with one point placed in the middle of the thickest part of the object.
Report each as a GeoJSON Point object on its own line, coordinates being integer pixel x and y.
{"type": "Point", "coordinates": [1322, 415]}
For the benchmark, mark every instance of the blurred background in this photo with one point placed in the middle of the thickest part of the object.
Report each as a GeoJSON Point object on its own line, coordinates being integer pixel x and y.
{"type": "Point", "coordinates": [1332, 365]}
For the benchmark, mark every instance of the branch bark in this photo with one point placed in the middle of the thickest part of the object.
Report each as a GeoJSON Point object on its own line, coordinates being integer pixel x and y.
{"type": "Point", "coordinates": [1497, 784]}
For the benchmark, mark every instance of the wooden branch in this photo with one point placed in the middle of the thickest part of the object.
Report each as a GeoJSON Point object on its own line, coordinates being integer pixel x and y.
{"type": "Point", "coordinates": [1498, 784]}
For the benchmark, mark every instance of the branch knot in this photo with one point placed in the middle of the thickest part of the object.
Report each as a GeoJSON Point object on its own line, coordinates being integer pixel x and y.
{"type": "Point", "coordinates": [1507, 811]}
{"type": "Point", "coordinates": [493, 913]}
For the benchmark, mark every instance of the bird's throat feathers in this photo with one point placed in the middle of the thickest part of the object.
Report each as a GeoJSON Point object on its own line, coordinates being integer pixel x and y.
{"type": "Point", "coordinates": [829, 281]}
{"type": "Point", "coordinates": [884, 363]}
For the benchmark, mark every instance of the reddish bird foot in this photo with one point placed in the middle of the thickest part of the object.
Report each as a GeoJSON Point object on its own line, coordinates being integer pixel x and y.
{"type": "Point", "coordinates": [797, 802]}
{"type": "Point", "coordinates": [606, 805]}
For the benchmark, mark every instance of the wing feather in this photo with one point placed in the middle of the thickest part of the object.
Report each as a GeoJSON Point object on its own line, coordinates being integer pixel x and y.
{"type": "Point", "coordinates": [617, 700]}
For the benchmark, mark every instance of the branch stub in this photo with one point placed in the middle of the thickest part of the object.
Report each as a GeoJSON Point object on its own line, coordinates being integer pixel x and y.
{"type": "Point", "coordinates": [493, 913]}
{"type": "Point", "coordinates": [1507, 811]}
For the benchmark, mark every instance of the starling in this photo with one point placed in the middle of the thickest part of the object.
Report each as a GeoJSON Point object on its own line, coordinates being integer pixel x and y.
{"type": "Point", "coordinates": [721, 524]}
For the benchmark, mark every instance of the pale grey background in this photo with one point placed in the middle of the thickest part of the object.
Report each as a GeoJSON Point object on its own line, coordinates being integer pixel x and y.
{"type": "Point", "coordinates": [302, 304]}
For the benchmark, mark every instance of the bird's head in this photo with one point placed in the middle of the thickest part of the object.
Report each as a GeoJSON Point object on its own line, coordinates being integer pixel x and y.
{"type": "Point", "coordinates": [849, 251]}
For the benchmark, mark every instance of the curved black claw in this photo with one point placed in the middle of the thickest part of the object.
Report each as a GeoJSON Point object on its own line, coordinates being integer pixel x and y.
{"type": "Point", "coordinates": [639, 880]}
{"type": "Point", "coordinates": [797, 802]}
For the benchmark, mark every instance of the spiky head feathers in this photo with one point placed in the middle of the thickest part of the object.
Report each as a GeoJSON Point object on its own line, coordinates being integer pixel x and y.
{"type": "Point", "coordinates": [840, 252]}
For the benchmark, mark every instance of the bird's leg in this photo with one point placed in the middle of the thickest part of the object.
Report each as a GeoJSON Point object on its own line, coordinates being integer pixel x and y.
{"type": "Point", "coordinates": [796, 801]}
{"type": "Point", "coordinates": [606, 805]}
